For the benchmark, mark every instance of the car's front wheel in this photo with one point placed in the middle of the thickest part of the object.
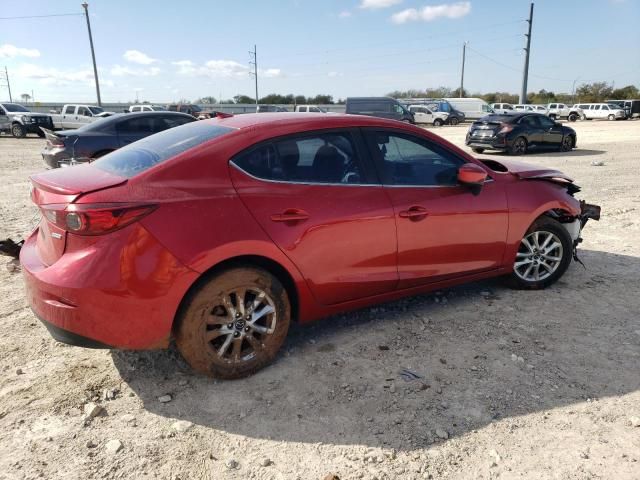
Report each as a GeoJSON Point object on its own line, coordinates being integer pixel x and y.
{"type": "Point", "coordinates": [544, 254]}
{"type": "Point", "coordinates": [572, 117]}
{"type": "Point", "coordinates": [611, 117]}
{"type": "Point", "coordinates": [453, 121]}
{"type": "Point", "coordinates": [234, 324]}
{"type": "Point", "coordinates": [477, 150]}
{"type": "Point", "coordinates": [437, 122]}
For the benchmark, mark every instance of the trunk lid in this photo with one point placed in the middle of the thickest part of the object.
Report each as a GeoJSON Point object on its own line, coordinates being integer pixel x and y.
{"type": "Point", "coordinates": [53, 191]}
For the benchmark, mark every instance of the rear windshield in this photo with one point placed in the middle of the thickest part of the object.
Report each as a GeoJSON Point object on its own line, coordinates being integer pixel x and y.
{"type": "Point", "coordinates": [496, 118]}
{"type": "Point", "coordinates": [144, 154]}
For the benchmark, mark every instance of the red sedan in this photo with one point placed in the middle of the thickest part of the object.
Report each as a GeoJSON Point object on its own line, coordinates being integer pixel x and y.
{"type": "Point", "coordinates": [220, 233]}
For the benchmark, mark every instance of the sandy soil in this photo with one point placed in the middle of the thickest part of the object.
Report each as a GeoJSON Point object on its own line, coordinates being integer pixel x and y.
{"type": "Point", "coordinates": [541, 385]}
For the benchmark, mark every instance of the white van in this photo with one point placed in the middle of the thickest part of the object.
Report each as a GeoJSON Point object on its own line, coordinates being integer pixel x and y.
{"type": "Point", "coordinates": [594, 111]}
{"type": "Point", "coordinates": [473, 108]}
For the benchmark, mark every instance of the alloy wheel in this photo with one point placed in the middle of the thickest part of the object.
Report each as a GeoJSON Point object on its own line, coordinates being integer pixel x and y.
{"type": "Point", "coordinates": [519, 146]}
{"type": "Point", "coordinates": [239, 323]}
{"type": "Point", "coordinates": [539, 256]}
{"type": "Point", "coordinates": [567, 144]}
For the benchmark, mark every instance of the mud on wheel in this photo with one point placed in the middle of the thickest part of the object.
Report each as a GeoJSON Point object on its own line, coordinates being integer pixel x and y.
{"type": "Point", "coordinates": [234, 323]}
{"type": "Point", "coordinates": [544, 254]}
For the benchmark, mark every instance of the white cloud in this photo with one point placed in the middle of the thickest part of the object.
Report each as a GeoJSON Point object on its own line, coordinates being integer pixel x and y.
{"type": "Point", "coordinates": [376, 4]}
{"type": "Point", "coordinates": [11, 51]}
{"type": "Point", "coordinates": [270, 73]}
{"type": "Point", "coordinates": [432, 12]}
{"type": "Point", "coordinates": [136, 56]}
{"type": "Point", "coordinates": [344, 14]}
{"type": "Point", "coordinates": [120, 71]}
{"type": "Point", "coordinates": [222, 69]}
{"type": "Point", "coordinates": [53, 76]}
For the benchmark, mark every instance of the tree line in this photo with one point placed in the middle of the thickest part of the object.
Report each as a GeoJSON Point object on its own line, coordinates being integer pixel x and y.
{"type": "Point", "coordinates": [273, 98]}
{"type": "Point", "coordinates": [586, 92]}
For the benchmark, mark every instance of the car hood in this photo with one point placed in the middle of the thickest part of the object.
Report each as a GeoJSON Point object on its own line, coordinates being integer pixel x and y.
{"type": "Point", "coordinates": [526, 171]}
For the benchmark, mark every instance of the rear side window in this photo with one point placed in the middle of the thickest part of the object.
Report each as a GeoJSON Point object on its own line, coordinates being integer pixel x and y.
{"type": "Point", "coordinates": [69, 110]}
{"type": "Point", "coordinates": [412, 161]}
{"type": "Point", "coordinates": [150, 151]}
{"type": "Point", "coordinates": [139, 125]}
{"type": "Point", "coordinates": [318, 158]}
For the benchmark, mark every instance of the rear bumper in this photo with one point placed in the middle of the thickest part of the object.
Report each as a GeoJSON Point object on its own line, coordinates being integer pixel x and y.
{"type": "Point", "coordinates": [122, 290]}
{"type": "Point", "coordinates": [491, 142]}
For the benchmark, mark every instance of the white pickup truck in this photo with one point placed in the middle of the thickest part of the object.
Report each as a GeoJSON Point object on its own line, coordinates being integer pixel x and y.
{"type": "Point", "coordinates": [75, 116]}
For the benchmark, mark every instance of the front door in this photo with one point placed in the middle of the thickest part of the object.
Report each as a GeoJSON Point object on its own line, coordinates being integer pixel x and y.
{"type": "Point", "coordinates": [444, 230]}
{"type": "Point", "coordinates": [551, 132]}
{"type": "Point", "coordinates": [323, 207]}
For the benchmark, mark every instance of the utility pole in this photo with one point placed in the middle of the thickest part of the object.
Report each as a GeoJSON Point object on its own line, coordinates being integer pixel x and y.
{"type": "Point", "coordinates": [525, 74]}
{"type": "Point", "coordinates": [85, 5]}
{"type": "Point", "coordinates": [464, 51]}
{"type": "Point", "coordinates": [255, 71]}
{"type": "Point", "coordinates": [6, 76]}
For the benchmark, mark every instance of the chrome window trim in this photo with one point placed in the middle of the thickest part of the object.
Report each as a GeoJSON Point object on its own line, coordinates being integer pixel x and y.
{"type": "Point", "coordinates": [288, 182]}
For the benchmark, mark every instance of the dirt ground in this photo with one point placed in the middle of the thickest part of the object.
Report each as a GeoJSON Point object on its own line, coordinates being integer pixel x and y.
{"type": "Point", "coordinates": [502, 384]}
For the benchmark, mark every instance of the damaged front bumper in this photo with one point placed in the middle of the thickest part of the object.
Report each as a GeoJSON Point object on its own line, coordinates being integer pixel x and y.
{"type": "Point", "coordinates": [587, 211]}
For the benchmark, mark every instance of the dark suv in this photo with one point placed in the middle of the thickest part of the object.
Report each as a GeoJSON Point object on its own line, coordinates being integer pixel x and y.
{"type": "Point", "coordinates": [383, 107]}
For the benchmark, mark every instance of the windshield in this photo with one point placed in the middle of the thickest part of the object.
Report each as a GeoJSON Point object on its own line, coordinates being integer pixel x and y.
{"type": "Point", "coordinates": [14, 107]}
{"type": "Point", "coordinates": [96, 110]}
{"type": "Point", "coordinates": [150, 151]}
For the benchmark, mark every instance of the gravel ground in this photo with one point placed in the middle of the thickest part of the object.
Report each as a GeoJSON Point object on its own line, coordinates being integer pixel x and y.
{"type": "Point", "coordinates": [500, 383]}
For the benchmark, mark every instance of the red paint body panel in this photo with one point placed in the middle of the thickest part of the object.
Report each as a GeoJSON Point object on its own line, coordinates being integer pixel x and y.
{"type": "Point", "coordinates": [350, 247]}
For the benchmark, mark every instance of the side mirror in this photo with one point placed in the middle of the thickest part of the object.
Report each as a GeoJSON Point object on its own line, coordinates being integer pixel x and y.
{"type": "Point", "coordinates": [471, 174]}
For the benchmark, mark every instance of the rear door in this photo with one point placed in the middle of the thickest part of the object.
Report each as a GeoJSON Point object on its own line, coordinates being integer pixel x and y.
{"type": "Point", "coordinates": [322, 206]}
{"type": "Point", "coordinates": [138, 127]}
{"type": "Point", "coordinates": [533, 129]}
{"type": "Point", "coordinates": [444, 231]}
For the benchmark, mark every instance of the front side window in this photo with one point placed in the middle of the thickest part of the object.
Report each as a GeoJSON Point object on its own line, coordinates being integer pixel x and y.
{"type": "Point", "coordinates": [317, 158]}
{"type": "Point", "coordinates": [546, 122]}
{"type": "Point", "coordinates": [69, 110]}
{"type": "Point", "coordinates": [409, 160]}
{"type": "Point", "coordinates": [486, 108]}
{"type": "Point", "coordinates": [596, 107]}
{"type": "Point", "coordinates": [83, 111]}
{"type": "Point", "coordinates": [605, 107]}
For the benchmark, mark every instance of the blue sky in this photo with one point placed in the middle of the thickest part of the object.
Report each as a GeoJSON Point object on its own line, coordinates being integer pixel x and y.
{"type": "Point", "coordinates": [164, 51]}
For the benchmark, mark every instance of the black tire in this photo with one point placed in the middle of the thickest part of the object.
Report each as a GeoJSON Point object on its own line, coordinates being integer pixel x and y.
{"type": "Point", "coordinates": [454, 121]}
{"type": "Point", "coordinates": [552, 116]}
{"type": "Point", "coordinates": [544, 224]}
{"type": "Point", "coordinates": [477, 150]}
{"type": "Point", "coordinates": [567, 143]}
{"type": "Point", "coordinates": [18, 130]}
{"type": "Point", "coordinates": [205, 323]}
{"type": "Point", "coordinates": [518, 146]}
{"type": "Point", "coordinates": [437, 122]}
{"type": "Point", "coordinates": [572, 117]}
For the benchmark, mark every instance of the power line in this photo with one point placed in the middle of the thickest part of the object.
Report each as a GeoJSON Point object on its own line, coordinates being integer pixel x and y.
{"type": "Point", "coordinates": [43, 16]}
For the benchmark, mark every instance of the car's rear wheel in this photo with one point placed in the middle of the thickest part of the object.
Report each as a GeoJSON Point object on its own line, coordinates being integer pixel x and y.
{"type": "Point", "coordinates": [437, 122]}
{"type": "Point", "coordinates": [477, 150]}
{"type": "Point", "coordinates": [567, 143]}
{"type": "Point", "coordinates": [544, 254]}
{"type": "Point", "coordinates": [454, 121]}
{"type": "Point", "coordinates": [234, 324]}
{"type": "Point", "coordinates": [611, 117]}
{"type": "Point", "coordinates": [519, 146]}
{"type": "Point", "coordinates": [18, 131]}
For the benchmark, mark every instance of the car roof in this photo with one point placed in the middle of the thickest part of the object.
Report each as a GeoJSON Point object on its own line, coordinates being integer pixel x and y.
{"type": "Point", "coordinates": [306, 121]}
{"type": "Point", "coordinates": [115, 118]}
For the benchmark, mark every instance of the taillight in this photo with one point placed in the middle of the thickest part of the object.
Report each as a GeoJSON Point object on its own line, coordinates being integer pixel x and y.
{"type": "Point", "coordinates": [506, 128]}
{"type": "Point", "coordinates": [95, 219]}
{"type": "Point", "coordinates": [55, 141]}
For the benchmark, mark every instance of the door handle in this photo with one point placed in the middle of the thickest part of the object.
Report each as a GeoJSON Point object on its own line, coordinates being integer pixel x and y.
{"type": "Point", "coordinates": [290, 215]}
{"type": "Point", "coordinates": [414, 213]}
